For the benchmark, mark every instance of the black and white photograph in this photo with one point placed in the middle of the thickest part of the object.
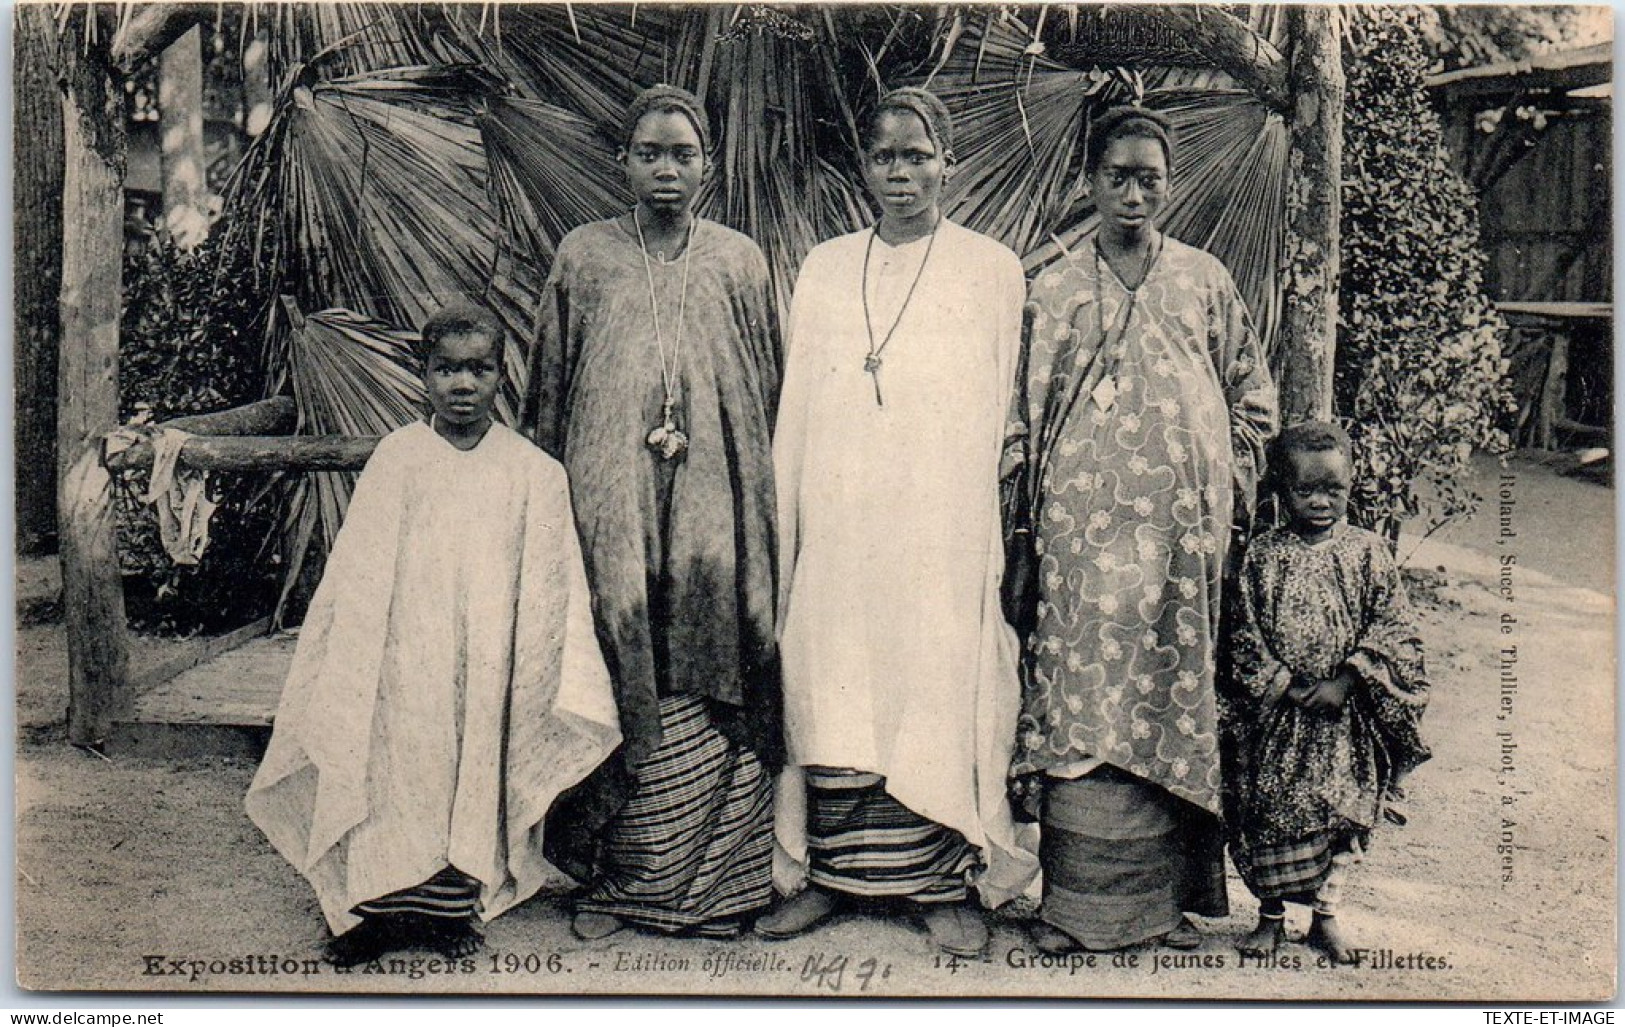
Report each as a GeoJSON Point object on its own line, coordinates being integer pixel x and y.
{"type": "Point", "coordinates": [818, 501]}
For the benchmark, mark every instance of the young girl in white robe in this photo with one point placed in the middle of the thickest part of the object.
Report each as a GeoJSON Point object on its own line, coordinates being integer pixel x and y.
{"type": "Point", "coordinates": [448, 684]}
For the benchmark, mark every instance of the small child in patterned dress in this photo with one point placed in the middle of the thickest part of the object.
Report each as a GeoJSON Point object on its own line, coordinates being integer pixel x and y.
{"type": "Point", "coordinates": [1324, 696]}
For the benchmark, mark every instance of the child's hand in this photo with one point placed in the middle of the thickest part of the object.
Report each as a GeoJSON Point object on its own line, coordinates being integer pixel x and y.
{"type": "Point", "coordinates": [1330, 695]}
{"type": "Point", "coordinates": [1301, 690]}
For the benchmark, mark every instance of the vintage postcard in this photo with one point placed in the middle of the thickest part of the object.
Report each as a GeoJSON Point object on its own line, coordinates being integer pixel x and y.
{"type": "Point", "coordinates": [822, 501]}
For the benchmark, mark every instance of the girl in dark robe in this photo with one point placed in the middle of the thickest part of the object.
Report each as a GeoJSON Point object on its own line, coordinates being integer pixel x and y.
{"type": "Point", "coordinates": [655, 381]}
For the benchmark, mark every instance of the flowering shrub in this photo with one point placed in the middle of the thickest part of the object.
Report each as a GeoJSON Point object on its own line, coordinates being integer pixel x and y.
{"type": "Point", "coordinates": [1420, 380]}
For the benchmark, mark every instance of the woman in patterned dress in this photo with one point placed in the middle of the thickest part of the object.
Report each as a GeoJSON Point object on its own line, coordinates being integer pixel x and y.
{"type": "Point", "coordinates": [1145, 408]}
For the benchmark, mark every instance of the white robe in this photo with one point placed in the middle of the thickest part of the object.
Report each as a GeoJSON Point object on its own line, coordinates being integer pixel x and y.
{"type": "Point", "coordinates": [447, 685]}
{"type": "Point", "coordinates": [897, 659]}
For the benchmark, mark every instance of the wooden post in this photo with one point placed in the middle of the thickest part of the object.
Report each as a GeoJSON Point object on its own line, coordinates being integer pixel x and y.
{"type": "Point", "coordinates": [1553, 407]}
{"type": "Point", "coordinates": [1314, 207]}
{"type": "Point", "coordinates": [94, 149]}
{"type": "Point", "coordinates": [180, 103]}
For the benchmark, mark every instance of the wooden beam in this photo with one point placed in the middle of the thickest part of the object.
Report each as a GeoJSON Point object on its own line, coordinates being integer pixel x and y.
{"type": "Point", "coordinates": [194, 652]}
{"type": "Point", "coordinates": [260, 453]}
{"type": "Point", "coordinates": [1314, 209]}
{"type": "Point", "coordinates": [275, 416]}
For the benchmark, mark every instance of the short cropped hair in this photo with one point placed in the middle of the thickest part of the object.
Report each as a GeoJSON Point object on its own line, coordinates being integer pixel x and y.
{"type": "Point", "coordinates": [926, 106]}
{"type": "Point", "coordinates": [1126, 123]}
{"type": "Point", "coordinates": [460, 319]}
{"type": "Point", "coordinates": [1305, 437]}
{"type": "Point", "coordinates": [665, 99]}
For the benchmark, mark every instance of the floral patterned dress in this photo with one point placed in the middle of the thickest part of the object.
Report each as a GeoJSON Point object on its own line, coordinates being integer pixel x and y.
{"type": "Point", "coordinates": [1143, 418]}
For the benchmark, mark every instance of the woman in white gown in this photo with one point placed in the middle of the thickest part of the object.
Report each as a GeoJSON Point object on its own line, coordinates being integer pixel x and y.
{"type": "Point", "coordinates": [899, 670]}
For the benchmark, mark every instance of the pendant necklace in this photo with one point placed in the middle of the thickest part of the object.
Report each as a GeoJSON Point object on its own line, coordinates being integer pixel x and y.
{"type": "Point", "coordinates": [667, 439]}
{"type": "Point", "coordinates": [871, 363]}
{"type": "Point", "coordinates": [1105, 393]}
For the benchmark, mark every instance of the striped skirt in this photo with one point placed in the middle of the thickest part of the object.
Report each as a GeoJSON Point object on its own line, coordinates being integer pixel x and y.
{"type": "Point", "coordinates": [448, 895]}
{"type": "Point", "coordinates": [1123, 860]}
{"type": "Point", "coordinates": [863, 842]}
{"type": "Point", "coordinates": [1296, 870]}
{"type": "Point", "coordinates": [692, 848]}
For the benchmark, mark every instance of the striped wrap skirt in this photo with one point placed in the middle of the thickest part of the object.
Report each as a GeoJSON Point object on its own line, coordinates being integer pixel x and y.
{"type": "Point", "coordinates": [1298, 870]}
{"type": "Point", "coordinates": [448, 895]}
{"type": "Point", "coordinates": [691, 851]}
{"type": "Point", "coordinates": [1123, 860]}
{"type": "Point", "coordinates": [864, 843]}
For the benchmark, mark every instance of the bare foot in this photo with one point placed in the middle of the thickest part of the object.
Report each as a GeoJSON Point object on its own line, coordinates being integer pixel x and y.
{"type": "Point", "coordinates": [958, 930]}
{"type": "Point", "coordinates": [798, 914]}
{"type": "Point", "coordinates": [1265, 938]}
{"type": "Point", "coordinates": [455, 939]}
{"type": "Point", "coordinates": [1325, 935]}
{"type": "Point", "coordinates": [366, 941]}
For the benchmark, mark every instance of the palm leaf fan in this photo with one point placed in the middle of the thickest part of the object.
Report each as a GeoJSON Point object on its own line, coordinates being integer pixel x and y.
{"type": "Point", "coordinates": [1019, 123]}
{"type": "Point", "coordinates": [587, 58]}
{"type": "Point", "coordinates": [1229, 193]}
{"type": "Point", "coordinates": [345, 38]}
{"type": "Point", "coordinates": [550, 171]}
{"type": "Point", "coordinates": [776, 182]}
{"type": "Point", "coordinates": [382, 187]}
{"type": "Point", "coordinates": [350, 375]}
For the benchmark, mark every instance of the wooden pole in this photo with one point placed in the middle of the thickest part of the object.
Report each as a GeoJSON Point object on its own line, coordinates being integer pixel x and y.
{"type": "Point", "coordinates": [180, 101]}
{"type": "Point", "coordinates": [1314, 207]}
{"type": "Point", "coordinates": [94, 150]}
{"type": "Point", "coordinates": [275, 416]}
{"type": "Point", "coordinates": [260, 453]}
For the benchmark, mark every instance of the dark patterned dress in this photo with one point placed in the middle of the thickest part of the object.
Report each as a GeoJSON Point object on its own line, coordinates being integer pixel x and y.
{"type": "Point", "coordinates": [675, 833]}
{"type": "Point", "coordinates": [1307, 785]}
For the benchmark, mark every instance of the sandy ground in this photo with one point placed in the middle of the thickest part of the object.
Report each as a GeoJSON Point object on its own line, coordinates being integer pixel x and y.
{"type": "Point", "coordinates": [143, 874]}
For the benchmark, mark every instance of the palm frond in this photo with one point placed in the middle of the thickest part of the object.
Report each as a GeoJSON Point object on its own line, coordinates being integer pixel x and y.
{"type": "Point", "coordinates": [344, 38]}
{"type": "Point", "coordinates": [550, 171]}
{"type": "Point", "coordinates": [370, 192]}
{"type": "Point", "coordinates": [592, 61]}
{"type": "Point", "coordinates": [773, 182]}
{"type": "Point", "coordinates": [1020, 125]}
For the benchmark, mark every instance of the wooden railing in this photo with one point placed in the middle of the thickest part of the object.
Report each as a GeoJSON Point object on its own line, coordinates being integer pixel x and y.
{"type": "Point", "coordinates": [255, 437]}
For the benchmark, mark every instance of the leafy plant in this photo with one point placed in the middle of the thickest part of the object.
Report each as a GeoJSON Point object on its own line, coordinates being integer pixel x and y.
{"type": "Point", "coordinates": [1419, 375]}
{"type": "Point", "coordinates": [190, 346]}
